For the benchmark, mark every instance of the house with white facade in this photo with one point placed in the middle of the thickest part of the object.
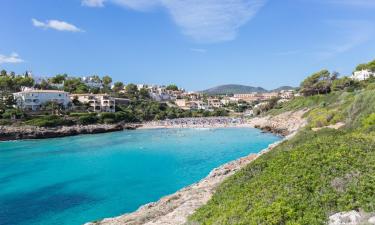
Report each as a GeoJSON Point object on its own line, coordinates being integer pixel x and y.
{"type": "Point", "coordinates": [97, 102]}
{"type": "Point", "coordinates": [362, 75]}
{"type": "Point", "coordinates": [214, 103]}
{"type": "Point", "coordinates": [34, 99]}
{"type": "Point", "coordinates": [92, 82]}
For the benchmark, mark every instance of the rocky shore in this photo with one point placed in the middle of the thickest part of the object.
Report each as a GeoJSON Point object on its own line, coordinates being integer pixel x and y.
{"type": "Point", "coordinates": [176, 208]}
{"type": "Point", "coordinates": [283, 124]}
{"type": "Point", "coordinates": [31, 132]}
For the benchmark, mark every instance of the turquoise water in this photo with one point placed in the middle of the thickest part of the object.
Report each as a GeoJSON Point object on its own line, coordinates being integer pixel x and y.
{"type": "Point", "coordinates": [84, 178]}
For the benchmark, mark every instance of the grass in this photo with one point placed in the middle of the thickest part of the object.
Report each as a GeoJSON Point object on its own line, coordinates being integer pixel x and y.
{"type": "Point", "coordinates": [308, 178]}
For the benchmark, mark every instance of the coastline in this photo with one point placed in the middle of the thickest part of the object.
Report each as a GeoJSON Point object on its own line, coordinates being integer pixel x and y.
{"type": "Point", "coordinates": [9, 133]}
{"type": "Point", "coordinates": [175, 209]}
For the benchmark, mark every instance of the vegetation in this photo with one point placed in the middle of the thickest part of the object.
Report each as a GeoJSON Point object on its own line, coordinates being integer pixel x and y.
{"type": "Point", "coordinates": [49, 121]}
{"type": "Point", "coordinates": [302, 181]}
{"type": "Point", "coordinates": [366, 66]}
{"type": "Point", "coordinates": [314, 175]}
{"type": "Point", "coordinates": [318, 83]}
{"type": "Point", "coordinates": [172, 87]}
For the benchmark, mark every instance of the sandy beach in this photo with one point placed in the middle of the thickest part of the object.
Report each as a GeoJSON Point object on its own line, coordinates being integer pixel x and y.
{"type": "Point", "coordinates": [206, 122]}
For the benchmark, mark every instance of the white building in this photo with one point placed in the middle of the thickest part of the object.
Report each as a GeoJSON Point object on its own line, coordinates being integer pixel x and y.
{"type": "Point", "coordinates": [35, 99]}
{"type": "Point", "coordinates": [214, 103]}
{"type": "Point", "coordinates": [362, 75]}
{"type": "Point", "coordinates": [286, 94]}
{"type": "Point", "coordinates": [92, 82]}
{"type": "Point", "coordinates": [97, 102]}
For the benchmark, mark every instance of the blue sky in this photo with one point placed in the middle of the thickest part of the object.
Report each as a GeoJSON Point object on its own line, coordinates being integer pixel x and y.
{"type": "Point", "coordinates": [196, 44]}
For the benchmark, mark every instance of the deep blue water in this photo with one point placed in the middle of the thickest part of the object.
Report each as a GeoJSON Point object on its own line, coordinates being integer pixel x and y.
{"type": "Point", "coordinates": [84, 178]}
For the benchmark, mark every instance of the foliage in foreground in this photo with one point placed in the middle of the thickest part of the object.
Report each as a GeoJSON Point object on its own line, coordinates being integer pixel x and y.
{"type": "Point", "coordinates": [310, 177]}
{"type": "Point", "coordinates": [303, 181]}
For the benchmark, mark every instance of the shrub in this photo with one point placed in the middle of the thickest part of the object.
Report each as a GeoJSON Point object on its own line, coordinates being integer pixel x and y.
{"type": "Point", "coordinates": [4, 122]}
{"type": "Point", "coordinates": [109, 120]}
{"type": "Point", "coordinates": [369, 121]}
{"type": "Point", "coordinates": [88, 119]}
{"type": "Point", "coordinates": [50, 121]}
{"type": "Point", "coordinates": [296, 183]}
{"type": "Point", "coordinates": [10, 113]}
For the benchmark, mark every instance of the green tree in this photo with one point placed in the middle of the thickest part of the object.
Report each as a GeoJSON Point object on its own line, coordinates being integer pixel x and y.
{"type": "Point", "coordinates": [107, 80]}
{"type": "Point", "coordinates": [143, 94]}
{"type": "Point", "coordinates": [58, 79]}
{"type": "Point", "coordinates": [343, 84]}
{"type": "Point", "coordinates": [172, 87]}
{"type": "Point", "coordinates": [366, 66]}
{"type": "Point", "coordinates": [131, 91]}
{"type": "Point", "coordinates": [118, 86]}
{"type": "Point", "coordinates": [317, 83]}
{"type": "Point", "coordinates": [3, 73]}
{"type": "Point", "coordinates": [76, 86]}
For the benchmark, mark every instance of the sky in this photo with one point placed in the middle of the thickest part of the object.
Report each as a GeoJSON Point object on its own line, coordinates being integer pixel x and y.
{"type": "Point", "coordinates": [196, 44]}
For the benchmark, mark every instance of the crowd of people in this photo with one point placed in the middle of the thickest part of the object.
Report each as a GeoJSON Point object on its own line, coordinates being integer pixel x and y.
{"type": "Point", "coordinates": [197, 122]}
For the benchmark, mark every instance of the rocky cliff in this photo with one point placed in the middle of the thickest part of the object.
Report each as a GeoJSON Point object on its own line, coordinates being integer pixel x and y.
{"type": "Point", "coordinates": [32, 132]}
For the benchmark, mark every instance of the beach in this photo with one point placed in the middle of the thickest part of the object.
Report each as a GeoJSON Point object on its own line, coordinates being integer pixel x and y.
{"type": "Point", "coordinates": [204, 122]}
{"type": "Point", "coordinates": [176, 208]}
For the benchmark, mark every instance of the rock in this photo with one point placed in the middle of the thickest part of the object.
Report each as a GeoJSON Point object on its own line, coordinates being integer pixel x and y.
{"type": "Point", "coordinates": [345, 218]}
{"type": "Point", "coordinates": [371, 220]}
{"type": "Point", "coordinates": [32, 132]}
{"type": "Point", "coordinates": [282, 124]}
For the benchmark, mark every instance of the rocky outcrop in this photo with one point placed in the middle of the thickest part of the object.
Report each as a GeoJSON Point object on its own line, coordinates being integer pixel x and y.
{"type": "Point", "coordinates": [283, 124]}
{"type": "Point", "coordinates": [176, 208]}
{"type": "Point", "coordinates": [352, 218]}
{"type": "Point", "coordinates": [32, 132]}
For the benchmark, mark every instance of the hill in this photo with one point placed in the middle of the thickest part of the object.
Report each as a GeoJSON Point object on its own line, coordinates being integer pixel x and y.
{"type": "Point", "coordinates": [305, 180]}
{"type": "Point", "coordinates": [233, 89]}
{"type": "Point", "coordinates": [283, 88]}
{"type": "Point", "coordinates": [240, 89]}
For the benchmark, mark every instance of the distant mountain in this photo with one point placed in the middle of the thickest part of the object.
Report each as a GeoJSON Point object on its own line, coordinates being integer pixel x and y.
{"type": "Point", "coordinates": [233, 89]}
{"type": "Point", "coordinates": [241, 89]}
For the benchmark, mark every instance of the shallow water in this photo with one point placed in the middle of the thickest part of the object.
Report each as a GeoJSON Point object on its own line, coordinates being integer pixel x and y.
{"type": "Point", "coordinates": [79, 179]}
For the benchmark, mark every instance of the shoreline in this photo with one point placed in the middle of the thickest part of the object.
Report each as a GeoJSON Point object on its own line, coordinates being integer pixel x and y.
{"type": "Point", "coordinates": [9, 133]}
{"type": "Point", "coordinates": [175, 209]}
{"type": "Point", "coordinates": [12, 133]}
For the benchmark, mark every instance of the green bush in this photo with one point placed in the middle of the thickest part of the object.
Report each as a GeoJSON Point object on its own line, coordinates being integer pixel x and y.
{"type": "Point", "coordinates": [81, 114]}
{"type": "Point", "coordinates": [88, 119]}
{"type": "Point", "coordinates": [10, 113]}
{"type": "Point", "coordinates": [50, 121]}
{"type": "Point", "coordinates": [362, 106]}
{"type": "Point", "coordinates": [320, 117]}
{"type": "Point", "coordinates": [369, 121]}
{"type": "Point", "coordinates": [109, 120]}
{"type": "Point", "coordinates": [5, 122]}
{"type": "Point", "coordinates": [302, 181]}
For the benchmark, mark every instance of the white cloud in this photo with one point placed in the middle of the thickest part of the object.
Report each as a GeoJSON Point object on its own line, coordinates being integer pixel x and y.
{"type": "Point", "coordinates": [212, 20]}
{"type": "Point", "coordinates": [203, 20]}
{"type": "Point", "coordinates": [141, 5]}
{"type": "Point", "coordinates": [93, 3]}
{"type": "Point", "coordinates": [56, 25]}
{"type": "Point", "coordinates": [12, 58]}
